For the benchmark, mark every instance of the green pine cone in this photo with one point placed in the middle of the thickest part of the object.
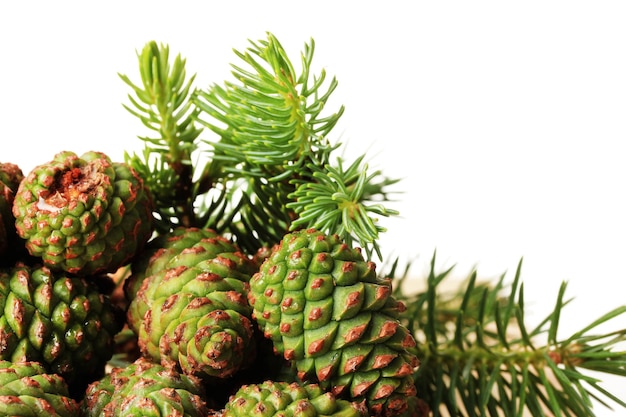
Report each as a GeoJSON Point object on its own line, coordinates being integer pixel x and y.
{"type": "Point", "coordinates": [6, 218]}
{"type": "Point", "coordinates": [144, 388]}
{"type": "Point", "coordinates": [83, 215]}
{"type": "Point", "coordinates": [11, 175]}
{"type": "Point", "coordinates": [10, 178]}
{"type": "Point", "coordinates": [4, 240]}
{"type": "Point", "coordinates": [61, 321]}
{"type": "Point", "coordinates": [160, 250]}
{"type": "Point", "coordinates": [193, 312]}
{"type": "Point", "coordinates": [26, 389]}
{"type": "Point", "coordinates": [325, 309]}
{"type": "Point", "coordinates": [283, 399]}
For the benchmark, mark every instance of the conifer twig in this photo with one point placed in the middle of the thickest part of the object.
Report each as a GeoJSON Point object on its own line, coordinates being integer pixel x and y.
{"type": "Point", "coordinates": [479, 358]}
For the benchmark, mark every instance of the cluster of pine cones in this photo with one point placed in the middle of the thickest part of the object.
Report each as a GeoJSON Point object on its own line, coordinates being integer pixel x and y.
{"type": "Point", "coordinates": [306, 328]}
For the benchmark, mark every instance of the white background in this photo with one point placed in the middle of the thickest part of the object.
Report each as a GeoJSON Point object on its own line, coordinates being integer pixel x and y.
{"type": "Point", "coordinates": [507, 120]}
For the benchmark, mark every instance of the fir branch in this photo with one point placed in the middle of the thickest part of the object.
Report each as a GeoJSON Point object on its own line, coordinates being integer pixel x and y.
{"type": "Point", "coordinates": [343, 201]}
{"type": "Point", "coordinates": [268, 172]}
{"type": "Point", "coordinates": [269, 122]}
{"type": "Point", "coordinates": [480, 359]}
{"type": "Point", "coordinates": [272, 147]}
{"type": "Point", "coordinates": [270, 126]}
{"type": "Point", "coordinates": [161, 102]}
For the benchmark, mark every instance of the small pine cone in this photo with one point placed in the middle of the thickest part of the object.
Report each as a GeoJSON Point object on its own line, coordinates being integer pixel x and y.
{"type": "Point", "coordinates": [11, 175]}
{"type": "Point", "coordinates": [83, 215]}
{"type": "Point", "coordinates": [144, 388]}
{"type": "Point", "coordinates": [10, 178]}
{"type": "Point", "coordinates": [26, 389]}
{"type": "Point", "coordinates": [193, 311]}
{"type": "Point", "coordinates": [324, 308]}
{"type": "Point", "coordinates": [60, 321]}
{"type": "Point", "coordinates": [283, 399]}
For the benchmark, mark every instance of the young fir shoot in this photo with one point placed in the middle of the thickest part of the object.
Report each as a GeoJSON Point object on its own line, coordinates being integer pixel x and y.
{"type": "Point", "coordinates": [337, 202]}
{"type": "Point", "coordinates": [478, 358]}
{"type": "Point", "coordinates": [162, 104]}
{"type": "Point", "coordinates": [273, 149]}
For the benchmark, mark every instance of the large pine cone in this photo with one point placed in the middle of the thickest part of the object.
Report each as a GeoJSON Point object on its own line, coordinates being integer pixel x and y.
{"type": "Point", "coordinates": [63, 322]}
{"type": "Point", "coordinates": [83, 215]}
{"type": "Point", "coordinates": [192, 310]}
{"type": "Point", "coordinates": [325, 309]}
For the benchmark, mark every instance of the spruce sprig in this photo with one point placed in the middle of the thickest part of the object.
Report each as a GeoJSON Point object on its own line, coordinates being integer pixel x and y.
{"type": "Point", "coordinates": [253, 181]}
{"type": "Point", "coordinates": [273, 148]}
{"type": "Point", "coordinates": [342, 200]}
{"type": "Point", "coordinates": [161, 102]}
{"type": "Point", "coordinates": [269, 120]}
{"type": "Point", "coordinates": [479, 357]}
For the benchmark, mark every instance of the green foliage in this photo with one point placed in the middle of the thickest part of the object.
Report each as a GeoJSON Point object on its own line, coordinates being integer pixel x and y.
{"type": "Point", "coordinates": [162, 104]}
{"type": "Point", "coordinates": [340, 200]}
{"type": "Point", "coordinates": [269, 167]}
{"type": "Point", "coordinates": [270, 132]}
{"type": "Point", "coordinates": [265, 171]}
{"type": "Point", "coordinates": [479, 358]}
{"type": "Point", "coordinates": [269, 121]}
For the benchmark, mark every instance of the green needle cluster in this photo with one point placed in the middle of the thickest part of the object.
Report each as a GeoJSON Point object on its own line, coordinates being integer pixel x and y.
{"type": "Point", "coordinates": [251, 158]}
{"type": "Point", "coordinates": [479, 357]}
